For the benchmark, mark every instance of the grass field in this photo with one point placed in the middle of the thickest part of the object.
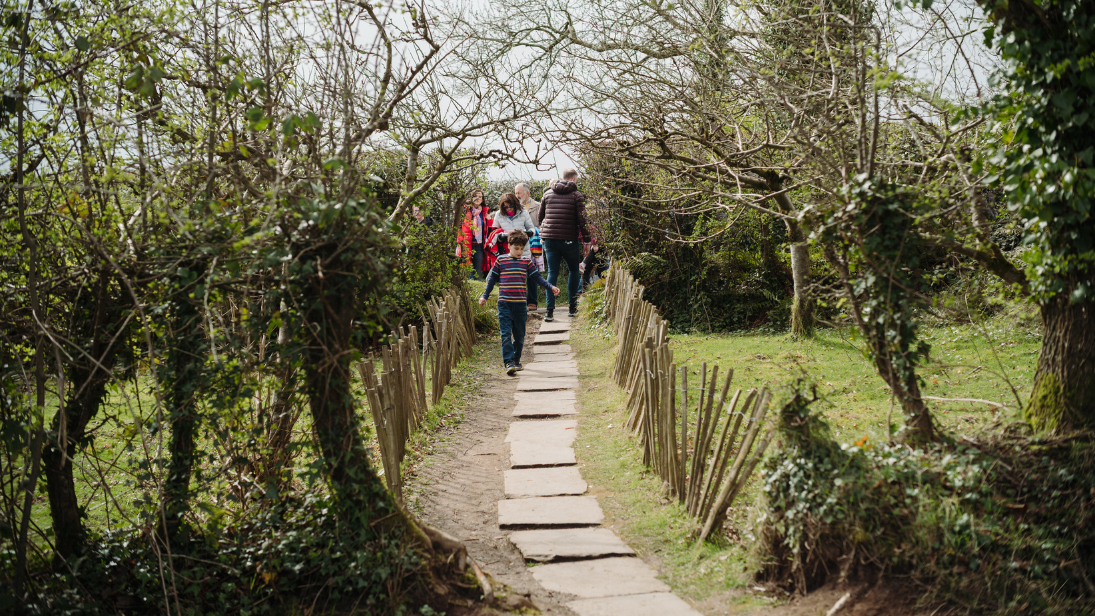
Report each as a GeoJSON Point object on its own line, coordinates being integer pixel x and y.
{"type": "Point", "coordinates": [992, 360]}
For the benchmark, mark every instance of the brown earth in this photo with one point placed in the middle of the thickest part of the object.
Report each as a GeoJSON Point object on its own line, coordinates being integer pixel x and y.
{"type": "Point", "coordinates": [458, 489]}
{"type": "Point", "coordinates": [886, 597]}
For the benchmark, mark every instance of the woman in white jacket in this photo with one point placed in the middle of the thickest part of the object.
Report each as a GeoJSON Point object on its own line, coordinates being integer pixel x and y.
{"type": "Point", "coordinates": [512, 216]}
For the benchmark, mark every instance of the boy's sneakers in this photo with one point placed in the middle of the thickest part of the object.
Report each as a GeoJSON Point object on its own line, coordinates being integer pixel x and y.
{"type": "Point", "coordinates": [519, 367]}
{"type": "Point", "coordinates": [573, 310]}
{"type": "Point", "coordinates": [550, 317]}
{"type": "Point", "coordinates": [511, 369]}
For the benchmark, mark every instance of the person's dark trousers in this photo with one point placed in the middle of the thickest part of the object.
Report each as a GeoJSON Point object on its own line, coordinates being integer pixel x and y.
{"type": "Point", "coordinates": [477, 257]}
{"type": "Point", "coordinates": [511, 322]}
{"type": "Point", "coordinates": [594, 264]}
{"type": "Point", "coordinates": [562, 250]}
{"type": "Point", "coordinates": [533, 293]}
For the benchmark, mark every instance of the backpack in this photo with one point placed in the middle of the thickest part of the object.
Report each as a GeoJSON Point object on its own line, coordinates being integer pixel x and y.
{"type": "Point", "coordinates": [536, 249]}
{"type": "Point", "coordinates": [494, 247]}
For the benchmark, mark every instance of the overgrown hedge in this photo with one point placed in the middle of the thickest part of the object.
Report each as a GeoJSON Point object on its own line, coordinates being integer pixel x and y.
{"type": "Point", "coordinates": [1002, 524]}
{"type": "Point", "coordinates": [295, 556]}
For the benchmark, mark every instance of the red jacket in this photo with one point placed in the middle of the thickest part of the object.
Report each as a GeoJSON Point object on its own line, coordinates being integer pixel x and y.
{"type": "Point", "coordinates": [467, 233]}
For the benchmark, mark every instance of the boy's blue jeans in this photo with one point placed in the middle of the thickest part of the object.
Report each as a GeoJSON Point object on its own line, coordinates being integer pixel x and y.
{"type": "Point", "coordinates": [563, 250]}
{"type": "Point", "coordinates": [511, 322]}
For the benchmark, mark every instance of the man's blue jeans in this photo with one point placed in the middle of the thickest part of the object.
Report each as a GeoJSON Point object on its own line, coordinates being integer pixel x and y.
{"type": "Point", "coordinates": [563, 250]}
{"type": "Point", "coordinates": [511, 322]}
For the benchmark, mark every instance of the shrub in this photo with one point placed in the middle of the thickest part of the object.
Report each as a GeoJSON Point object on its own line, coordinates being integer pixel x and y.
{"type": "Point", "coordinates": [998, 525]}
{"type": "Point", "coordinates": [294, 556]}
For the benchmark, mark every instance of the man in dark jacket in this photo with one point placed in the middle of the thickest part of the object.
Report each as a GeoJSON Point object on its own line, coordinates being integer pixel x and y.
{"type": "Point", "coordinates": [563, 229]}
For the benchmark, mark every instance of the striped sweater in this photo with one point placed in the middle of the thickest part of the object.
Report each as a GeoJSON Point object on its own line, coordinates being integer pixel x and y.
{"type": "Point", "coordinates": [512, 275]}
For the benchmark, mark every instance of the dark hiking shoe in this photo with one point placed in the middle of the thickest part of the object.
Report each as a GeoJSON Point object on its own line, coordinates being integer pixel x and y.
{"type": "Point", "coordinates": [573, 310]}
{"type": "Point", "coordinates": [519, 367]}
{"type": "Point", "coordinates": [549, 317]}
{"type": "Point", "coordinates": [511, 369]}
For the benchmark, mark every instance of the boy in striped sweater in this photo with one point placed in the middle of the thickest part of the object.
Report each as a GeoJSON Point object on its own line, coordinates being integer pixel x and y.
{"type": "Point", "coordinates": [512, 273]}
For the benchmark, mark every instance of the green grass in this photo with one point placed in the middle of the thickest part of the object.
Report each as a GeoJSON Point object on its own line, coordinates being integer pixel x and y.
{"type": "Point", "coordinates": [977, 361]}
{"type": "Point", "coordinates": [982, 360]}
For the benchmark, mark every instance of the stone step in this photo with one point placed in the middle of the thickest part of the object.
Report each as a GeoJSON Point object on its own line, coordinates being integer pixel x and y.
{"type": "Point", "coordinates": [651, 604]}
{"type": "Point", "coordinates": [526, 454]}
{"type": "Point", "coordinates": [539, 383]}
{"type": "Point", "coordinates": [550, 404]}
{"type": "Point", "coordinates": [550, 511]}
{"type": "Point", "coordinates": [561, 481]}
{"type": "Point", "coordinates": [523, 397]}
{"type": "Point", "coordinates": [553, 431]}
{"type": "Point", "coordinates": [549, 370]}
{"type": "Point", "coordinates": [551, 361]}
{"type": "Point", "coordinates": [604, 577]}
{"type": "Point", "coordinates": [551, 349]}
{"type": "Point", "coordinates": [554, 327]}
{"type": "Point", "coordinates": [569, 543]}
{"type": "Point", "coordinates": [556, 338]}
{"type": "Point", "coordinates": [541, 357]}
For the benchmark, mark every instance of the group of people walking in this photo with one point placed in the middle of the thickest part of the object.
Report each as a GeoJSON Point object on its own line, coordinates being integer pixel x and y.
{"type": "Point", "coordinates": [558, 229]}
{"type": "Point", "coordinates": [509, 246]}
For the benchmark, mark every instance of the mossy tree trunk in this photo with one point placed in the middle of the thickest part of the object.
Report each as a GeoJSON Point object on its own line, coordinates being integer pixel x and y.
{"type": "Point", "coordinates": [1062, 399]}
{"type": "Point", "coordinates": [330, 286]}
{"type": "Point", "coordinates": [802, 306]}
{"type": "Point", "coordinates": [182, 379]}
{"type": "Point", "coordinates": [919, 427]}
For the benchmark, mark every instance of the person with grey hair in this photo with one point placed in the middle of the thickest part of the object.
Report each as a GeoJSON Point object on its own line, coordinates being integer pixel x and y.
{"type": "Point", "coordinates": [563, 229]}
{"type": "Point", "coordinates": [532, 206]}
{"type": "Point", "coordinates": [524, 195]}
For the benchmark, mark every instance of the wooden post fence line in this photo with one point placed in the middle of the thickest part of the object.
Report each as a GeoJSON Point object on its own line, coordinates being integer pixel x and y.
{"type": "Point", "coordinates": [397, 392]}
{"type": "Point", "coordinates": [704, 465]}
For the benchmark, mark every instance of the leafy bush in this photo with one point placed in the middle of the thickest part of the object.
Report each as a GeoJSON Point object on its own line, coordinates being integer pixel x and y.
{"type": "Point", "coordinates": [294, 556]}
{"type": "Point", "coordinates": [425, 266]}
{"type": "Point", "coordinates": [705, 269]}
{"type": "Point", "coordinates": [999, 525]}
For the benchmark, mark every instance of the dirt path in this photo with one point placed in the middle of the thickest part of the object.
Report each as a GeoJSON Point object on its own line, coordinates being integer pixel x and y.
{"type": "Point", "coordinates": [458, 492]}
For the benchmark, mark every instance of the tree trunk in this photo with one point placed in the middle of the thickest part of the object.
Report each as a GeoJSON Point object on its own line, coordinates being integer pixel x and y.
{"type": "Point", "coordinates": [64, 507]}
{"type": "Point", "coordinates": [919, 428]}
{"type": "Point", "coordinates": [327, 382]}
{"type": "Point", "coordinates": [802, 306]}
{"type": "Point", "coordinates": [88, 375]}
{"type": "Point", "coordinates": [185, 359]}
{"type": "Point", "coordinates": [332, 304]}
{"type": "Point", "coordinates": [275, 468]}
{"type": "Point", "coordinates": [1062, 399]}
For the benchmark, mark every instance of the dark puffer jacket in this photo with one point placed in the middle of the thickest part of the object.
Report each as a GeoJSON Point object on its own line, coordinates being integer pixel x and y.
{"type": "Point", "coordinates": [563, 213]}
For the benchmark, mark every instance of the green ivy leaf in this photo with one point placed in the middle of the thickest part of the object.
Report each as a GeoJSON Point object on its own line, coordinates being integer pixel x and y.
{"type": "Point", "coordinates": [233, 88]}
{"type": "Point", "coordinates": [289, 125]}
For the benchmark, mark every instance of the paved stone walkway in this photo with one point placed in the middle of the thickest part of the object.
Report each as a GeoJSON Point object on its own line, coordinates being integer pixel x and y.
{"type": "Point", "coordinates": [545, 510]}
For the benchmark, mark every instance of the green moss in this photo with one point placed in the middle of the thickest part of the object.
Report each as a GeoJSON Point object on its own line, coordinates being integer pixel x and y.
{"type": "Point", "coordinates": [1046, 402]}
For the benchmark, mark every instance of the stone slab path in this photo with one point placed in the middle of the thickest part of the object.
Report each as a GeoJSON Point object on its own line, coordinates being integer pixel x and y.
{"type": "Point", "coordinates": [545, 510]}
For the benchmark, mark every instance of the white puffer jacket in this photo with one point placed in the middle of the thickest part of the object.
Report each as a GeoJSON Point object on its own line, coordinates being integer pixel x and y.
{"type": "Point", "coordinates": [520, 220]}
